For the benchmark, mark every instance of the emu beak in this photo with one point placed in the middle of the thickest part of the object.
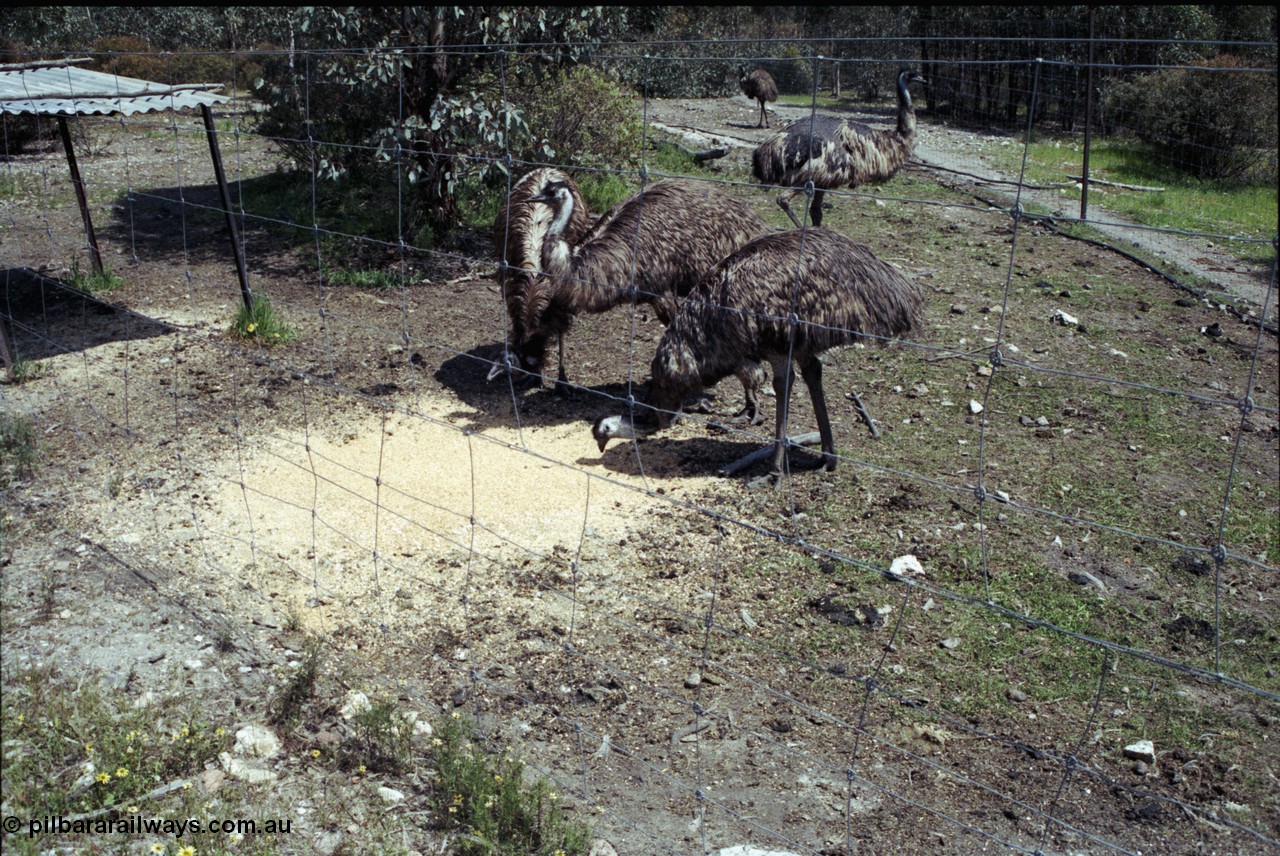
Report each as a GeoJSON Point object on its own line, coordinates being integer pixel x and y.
{"type": "Point", "coordinates": [610, 427]}
{"type": "Point", "coordinates": [505, 364]}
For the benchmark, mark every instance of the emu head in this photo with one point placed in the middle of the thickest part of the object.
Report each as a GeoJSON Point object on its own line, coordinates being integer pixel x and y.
{"type": "Point", "coordinates": [666, 392]}
{"type": "Point", "coordinates": [558, 195]}
{"type": "Point", "coordinates": [910, 76]}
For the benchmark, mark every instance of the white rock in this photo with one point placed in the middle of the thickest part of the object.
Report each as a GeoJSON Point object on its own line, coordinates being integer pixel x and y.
{"type": "Point", "coordinates": [390, 795]}
{"type": "Point", "coordinates": [245, 770]}
{"type": "Point", "coordinates": [1060, 317]}
{"type": "Point", "coordinates": [1143, 750]}
{"type": "Point", "coordinates": [975, 407]}
{"type": "Point", "coordinates": [904, 565]}
{"type": "Point", "coordinates": [357, 702]}
{"type": "Point", "coordinates": [257, 741]}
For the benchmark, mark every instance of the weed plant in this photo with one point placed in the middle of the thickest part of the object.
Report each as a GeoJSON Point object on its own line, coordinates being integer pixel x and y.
{"type": "Point", "coordinates": [94, 283]}
{"type": "Point", "coordinates": [261, 324]}
{"type": "Point", "coordinates": [484, 799]}
{"type": "Point", "coordinates": [19, 448]}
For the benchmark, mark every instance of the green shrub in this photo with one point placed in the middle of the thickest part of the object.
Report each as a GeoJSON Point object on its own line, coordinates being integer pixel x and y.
{"type": "Point", "coordinates": [262, 324]}
{"type": "Point", "coordinates": [19, 448]}
{"type": "Point", "coordinates": [585, 117]}
{"type": "Point", "coordinates": [1211, 124]}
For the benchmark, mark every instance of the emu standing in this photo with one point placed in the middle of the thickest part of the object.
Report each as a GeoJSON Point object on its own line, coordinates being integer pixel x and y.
{"type": "Point", "coordinates": [833, 153]}
{"type": "Point", "coordinates": [759, 86]}
{"type": "Point", "coordinates": [518, 233]}
{"type": "Point", "coordinates": [840, 293]}
{"type": "Point", "coordinates": [656, 246]}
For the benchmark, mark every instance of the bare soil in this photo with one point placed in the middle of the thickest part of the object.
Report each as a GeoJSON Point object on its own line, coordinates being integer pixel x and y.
{"type": "Point", "coordinates": [692, 661]}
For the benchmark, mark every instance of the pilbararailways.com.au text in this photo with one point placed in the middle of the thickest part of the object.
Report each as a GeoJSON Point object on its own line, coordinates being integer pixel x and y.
{"type": "Point", "coordinates": [139, 825]}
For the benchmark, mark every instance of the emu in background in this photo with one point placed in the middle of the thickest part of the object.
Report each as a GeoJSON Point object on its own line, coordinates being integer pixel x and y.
{"type": "Point", "coordinates": [833, 153]}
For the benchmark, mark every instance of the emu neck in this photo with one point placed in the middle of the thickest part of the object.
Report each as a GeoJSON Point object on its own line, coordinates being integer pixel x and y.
{"type": "Point", "coordinates": [555, 249]}
{"type": "Point", "coordinates": [906, 112]}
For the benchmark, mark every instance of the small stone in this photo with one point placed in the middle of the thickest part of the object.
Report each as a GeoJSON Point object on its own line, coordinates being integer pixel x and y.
{"type": "Point", "coordinates": [1060, 317]}
{"type": "Point", "coordinates": [904, 565]}
{"type": "Point", "coordinates": [694, 679]}
{"type": "Point", "coordinates": [245, 770]}
{"type": "Point", "coordinates": [1026, 421]}
{"type": "Point", "coordinates": [257, 741]}
{"type": "Point", "coordinates": [1042, 422]}
{"type": "Point", "coordinates": [950, 644]}
{"type": "Point", "coordinates": [1141, 768]}
{"type": "Point", "coordinates": [357, 702]}
{"type": "Point", "coordinates": [1142, 750]}
{"type": "Point", "coordinates": [1016, 695]}
{"type": "Point", "coordinates": [390, 795]}
{"type": "Point", "coordinates": [958, 309]}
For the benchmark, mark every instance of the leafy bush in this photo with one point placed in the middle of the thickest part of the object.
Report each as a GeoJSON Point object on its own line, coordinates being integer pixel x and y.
{"type": "Point", "coordinates": [585, 117]}
{"type": "Point", "coordinates": [1212, 124]}
{"type": "Point", "coordinates": [130, 56]}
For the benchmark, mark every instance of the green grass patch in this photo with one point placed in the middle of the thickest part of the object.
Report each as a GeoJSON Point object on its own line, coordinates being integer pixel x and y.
{"type": "Point", "coordinates": [1187, 203]}
{"type": "Point", "coordinates": [19, 448]}
{"type": "Point", "coordinates": [262, 324]}
{"type": "Point", "coordinates": [486, 800]}
{"type": "Point", "coordinates": [94, 283]}
{"type": "Point", "coordinates": [73, 751]}
{"type": "Point", "coordinates": [362, 278]}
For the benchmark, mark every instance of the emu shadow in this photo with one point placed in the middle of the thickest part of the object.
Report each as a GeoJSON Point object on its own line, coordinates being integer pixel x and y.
{"type": "Point", "coordinates": [492, 405]}
{"type": "Point", "coordinates": [47, 317]}
{"type": "Point", "coordinates": [671, 457]}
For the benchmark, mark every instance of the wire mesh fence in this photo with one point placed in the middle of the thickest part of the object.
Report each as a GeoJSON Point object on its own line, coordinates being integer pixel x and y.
{"type": "Point", "coordinates": [1060, 542]}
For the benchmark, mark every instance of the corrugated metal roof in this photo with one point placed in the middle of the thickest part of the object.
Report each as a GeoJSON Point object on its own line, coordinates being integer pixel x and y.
{"type": "Point", "coordinates": [65, 90]}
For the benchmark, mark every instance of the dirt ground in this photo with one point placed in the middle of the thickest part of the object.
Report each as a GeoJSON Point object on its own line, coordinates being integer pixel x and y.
{"type": "Point", "coordinates": [695, 663]}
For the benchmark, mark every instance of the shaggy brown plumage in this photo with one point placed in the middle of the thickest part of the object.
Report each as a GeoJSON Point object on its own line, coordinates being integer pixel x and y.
{"type": "Point", "coordinates": [661, 242]}
{"type": "Point", "coordinates": [833, 152]}
{"type": "Point", "coordinates": [840, 293]}
{"type": "Point", "coordinates": [518, 233]}
{"type": "Point", "coordinates": [758, 86]}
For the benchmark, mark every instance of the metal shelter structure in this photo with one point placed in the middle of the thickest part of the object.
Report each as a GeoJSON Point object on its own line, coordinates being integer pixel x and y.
{"type": "Point", "coordinates": [60, 89]}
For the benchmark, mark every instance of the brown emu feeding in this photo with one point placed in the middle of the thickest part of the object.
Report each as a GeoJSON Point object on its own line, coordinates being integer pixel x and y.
{"type": "Point", "coordinates": [518, 233]}
{"type": "Point", "coordinates": [833, 153]}
{"type": "Point", "coordinates": [758, 86]}
{"type": "Point", "coordinates": [663, 239]}
{"type": "Point", "coordinates": [840, 293]}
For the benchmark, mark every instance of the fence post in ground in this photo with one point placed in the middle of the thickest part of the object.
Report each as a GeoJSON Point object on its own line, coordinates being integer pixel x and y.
{"type": "Point", "coordinates": [95, 256]}
{"type": "Point", "coordinates": [225, 195]}
{"type": "Point", "coordinates": [1088, 128]}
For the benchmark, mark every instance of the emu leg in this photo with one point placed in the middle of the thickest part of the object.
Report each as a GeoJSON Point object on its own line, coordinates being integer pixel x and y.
{"type": "Point", "coordinates": [811, 371]}
{"type": "Point", "coordinates": [563, 389]}
{"type": "Point", "coordinates": [782, 379]}
{"type": "Point", "coordinates": [815, 207]}
{"type": "Point", "coordinates": [784, 202]}
{"type": "Point", "coordinates": [764, 118]}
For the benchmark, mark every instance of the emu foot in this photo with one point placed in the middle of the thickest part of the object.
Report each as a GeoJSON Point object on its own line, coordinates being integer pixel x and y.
{"type": "Point", "coordinates": [565, 390]}
{"type": "Point", "coordinates": [810, 439]}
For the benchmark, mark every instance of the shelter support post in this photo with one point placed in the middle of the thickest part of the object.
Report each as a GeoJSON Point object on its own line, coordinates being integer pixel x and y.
{"type": "Point", "coordinates": [95, 256]}
{"type": "Point", "coordinates": [225, 194]}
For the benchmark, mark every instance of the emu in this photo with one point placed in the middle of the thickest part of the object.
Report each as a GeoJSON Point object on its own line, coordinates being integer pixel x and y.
{"type": "Point", "coordinates": [831, 153]}
{"type": "Point", "coordinates": [656, 246]}
{"type": "Point", "coordinates": [518, 233]}
{"type": "Point", "coordinates": [758, 86]}
{"type": "Point", "coordinates": [837, 289]}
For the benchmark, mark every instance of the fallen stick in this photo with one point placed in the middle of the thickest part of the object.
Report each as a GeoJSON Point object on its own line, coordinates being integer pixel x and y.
{"type": "Point", "coordinates": [862, 411]}
{"type": "Point", "coordinates": [1117, 184]}
{"type": "Point", "coordinates": [813, 438]}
